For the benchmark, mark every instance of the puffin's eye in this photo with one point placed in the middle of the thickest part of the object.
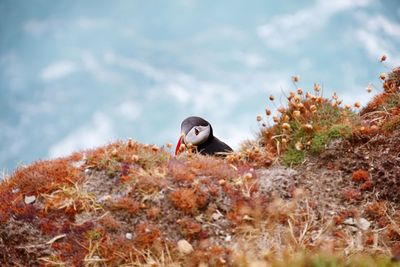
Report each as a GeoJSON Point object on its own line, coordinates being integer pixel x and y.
{"type": "Point", "coordinates": [196, 132]}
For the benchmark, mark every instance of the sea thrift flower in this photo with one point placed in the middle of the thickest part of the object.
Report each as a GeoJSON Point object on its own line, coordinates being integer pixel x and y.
{"type": "Point", "coordinates": [382, 76]}
{"type": "Point", "coordinates": [259, 118]}
{"type": "Point", "coordinates": [313, 108]}
{"type": "Point", "coordinates": [285, 126]}
{"type": "Point", "coordinates": [383, 58]}
{"type": "Point", "coordinates": [271, 97]}
{"type": "Point", "coordinates": [299, 91]}
{"type": "Point", "coordinates": [295, 78]}
{"type": "Point", "coordinates": [296, 113]}
{"type": "Point", "coordinates": [285, 118]}
{"type": "Point", "coordinates": [369, 88]}
{"type": "Point", "coordinates": [308, 126]}
{"type": "Point", "coordinates": [268, 112]}
{"type": "Point", "coordinates": [357, 105]}
{"type": "Point", "coordinates": [299, 146]}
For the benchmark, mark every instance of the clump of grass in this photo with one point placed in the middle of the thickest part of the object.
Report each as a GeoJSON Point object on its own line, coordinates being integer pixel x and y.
{"type": "Point", "coordinates": [307, 124]}
{"type": "Point", "coordinates": [391, 124]}
{"type": "Point", "coordinates": [293, 156]}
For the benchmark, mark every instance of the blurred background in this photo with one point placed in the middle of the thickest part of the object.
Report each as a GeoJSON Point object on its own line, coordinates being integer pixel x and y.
{"type": "Point", "coordinates": [79, 74]}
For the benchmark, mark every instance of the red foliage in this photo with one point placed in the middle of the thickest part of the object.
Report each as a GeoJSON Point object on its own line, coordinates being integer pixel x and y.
{"type": "Point", "coordinates": [368, 185]}
{"type": "Point", "coordinates": [110, 223]}
{"type": "Point", "coordinates": [189, 228]}
{"type": "Point", "coordinates": [185, 200]}
{"type": "Point", "coordinates": [48, 226]}
{"type": "Point", "coordinates": [375, 210]}
{"type": "Point", "coordinates": [213, 167]}
{"type": "Point", "coordinates": [149, 184]}
{"type": "Point", "coordinates": [370, 239]}
{"type": "Point", "coordinates": [153, 213]}
{"type": "Point", "coordinates": [6, 197]}
{"type": "Point", "coordinates": [145, 235]}
{"type": "Point", "coordinates": [72, 248]}
{"type": "Point", "coordinates": [112, 243]}
{"type": "Point", "coordinates": [44, 176]}
{"type": "Point", "coordinates": [392, 233]}
{"type": "Point", "coordinates": [352, 194]}
{"type": "Point", "coordinates": [125, 204]}
{"type": "Point", "coordinates": [383, 222]}
{"type": "Point", "coordinates": [213, 255]}
{"type": "Point", "coordinates": [339, 234]}
{"type": "Point", "coordinates": [360, 175]}
{"type": "Point", "coordinates": [24, 212]}
{"type": "Point", "coordinates": [180, 171]}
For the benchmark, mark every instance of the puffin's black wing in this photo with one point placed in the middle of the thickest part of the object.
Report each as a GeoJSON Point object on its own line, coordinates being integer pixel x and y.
{"type": "Point", "coordinates": [214, 146]}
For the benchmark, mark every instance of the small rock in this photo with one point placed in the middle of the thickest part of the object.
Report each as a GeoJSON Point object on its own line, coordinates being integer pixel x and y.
{"type": "Point", "coordinates": [349, 221]}
{"type": "Point", "coordinates": [363, 224]}
{"type": "Point", "coordinates": [354, 229]}
{"type": "Point", "coordinates": [184, 247]}
{"type": "Point", "coordinates": [228, 238]}
{"type": "Point", "coordinates": [29, 199]}
{"type": "Point", "coordinates": [128, 236]}
{"type": "Point", "coordinates": [216, 216]}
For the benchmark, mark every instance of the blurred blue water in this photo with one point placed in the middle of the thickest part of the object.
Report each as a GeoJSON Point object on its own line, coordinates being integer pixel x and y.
{"type": "Point", "coordinates": [78, 74]}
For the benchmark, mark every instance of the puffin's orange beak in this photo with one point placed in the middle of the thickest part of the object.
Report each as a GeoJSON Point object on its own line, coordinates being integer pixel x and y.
{"type": "Point", "coordinates": [178, 146]}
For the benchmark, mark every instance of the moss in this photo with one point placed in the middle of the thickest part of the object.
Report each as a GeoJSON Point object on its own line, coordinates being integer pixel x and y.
{"type": "Point", "coordinates": [318, 142]}
{"type": "Point", "coordinates": [391, 124]}
{"type": "Point", "coordinates": [292, 156]}
{"type": "Point", "coordinates": [339, 131]}
{"type": "Point", "coordinates": [326, 114]}
{"type": "Point", "coordinates": [320, 139]}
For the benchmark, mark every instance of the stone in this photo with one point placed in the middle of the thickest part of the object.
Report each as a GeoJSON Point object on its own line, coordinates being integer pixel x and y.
{"type": "Point", "coordinates": [363, 224]}
{"type": "Point", "coordinates": [29, 199]}
{"type": "Point", "coordinates": [184, 247]}
{"type": "Point", "coordinates": [128, 236]}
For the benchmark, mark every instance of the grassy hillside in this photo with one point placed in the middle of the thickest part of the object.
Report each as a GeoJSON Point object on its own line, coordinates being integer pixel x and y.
{"type": "Point", "coordinates": [318, 187]}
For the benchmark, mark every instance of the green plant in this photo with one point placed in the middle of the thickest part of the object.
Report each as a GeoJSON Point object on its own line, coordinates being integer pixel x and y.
{"type": "Point", "coordinates": [292, 156]}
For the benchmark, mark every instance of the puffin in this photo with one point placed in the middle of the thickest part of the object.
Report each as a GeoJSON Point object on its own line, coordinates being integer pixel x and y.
{"type": "Point", "coordinates": [199, 133]}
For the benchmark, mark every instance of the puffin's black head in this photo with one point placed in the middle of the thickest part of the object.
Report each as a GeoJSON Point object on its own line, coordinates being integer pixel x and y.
{"type": "Point", "coordinates": [195, 131]}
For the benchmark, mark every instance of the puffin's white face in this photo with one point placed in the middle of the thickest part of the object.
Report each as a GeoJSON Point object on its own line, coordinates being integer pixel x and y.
{"type": "Point", "coordinates": [197, 135]}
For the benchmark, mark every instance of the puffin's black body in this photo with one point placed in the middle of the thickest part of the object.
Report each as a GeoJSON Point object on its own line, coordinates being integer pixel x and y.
{"type": "Point", "coordinates": [212, 146]}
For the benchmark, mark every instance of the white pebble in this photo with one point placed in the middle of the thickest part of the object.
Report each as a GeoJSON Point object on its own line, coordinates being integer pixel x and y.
{"type": "Point", "coordinates": [29, 199]}
{"type": "Point", "coordinates": [128, 236]}
{"type": "Point", "coordinates": [184, 247]}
